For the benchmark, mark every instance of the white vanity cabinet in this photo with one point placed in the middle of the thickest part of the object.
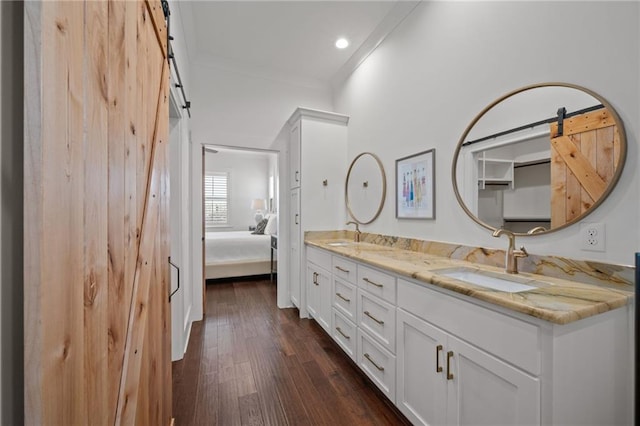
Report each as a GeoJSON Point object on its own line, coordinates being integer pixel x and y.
{"type": "Point", "coordinates": [489, 366]}
{"type": "Point", "coordinates": [443, 380]}
{"type": "Point", "coordinates": [319, 287]}
{"type": "Point", "coordinates": [449, 359]}
{"type": "Point", "coordinates": [343, 302]}
{"type": "Point", "coordinates": [317, 168]}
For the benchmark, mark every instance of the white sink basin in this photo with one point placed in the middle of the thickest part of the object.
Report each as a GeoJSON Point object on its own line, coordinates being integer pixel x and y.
{"type": "Point", "coordinates": [340, 244]}
{"type": "Point", "coordinates": [488, 280]}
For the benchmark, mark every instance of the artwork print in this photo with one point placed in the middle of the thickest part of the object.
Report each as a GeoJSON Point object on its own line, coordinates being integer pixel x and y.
{"type": "Point", "coordinates": [415, 186]}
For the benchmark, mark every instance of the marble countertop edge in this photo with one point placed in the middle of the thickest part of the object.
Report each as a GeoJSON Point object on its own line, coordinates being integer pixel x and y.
{"type": "Point", "coordinates": [556, 300]}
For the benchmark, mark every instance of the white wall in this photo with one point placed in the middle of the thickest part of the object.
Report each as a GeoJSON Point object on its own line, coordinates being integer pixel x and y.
{"type": "Point", "coordinates": [248, 180]}
{"type": "Point", "coordinates": [11, 214]}
{"type": "Point", "coordinates": [448, 60]}
{"type": "Point", "coordinates": [243, 110]}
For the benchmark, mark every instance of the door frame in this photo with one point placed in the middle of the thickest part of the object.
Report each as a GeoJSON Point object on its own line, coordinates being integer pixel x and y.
{"type": "Point", "coordinates": [277, 180]}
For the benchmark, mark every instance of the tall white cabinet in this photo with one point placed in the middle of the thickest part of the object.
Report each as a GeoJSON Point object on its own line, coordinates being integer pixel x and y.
{"type": "Point", "coordinates": [317, 169]}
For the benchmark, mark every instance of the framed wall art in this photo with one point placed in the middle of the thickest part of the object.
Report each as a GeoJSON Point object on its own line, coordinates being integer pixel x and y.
{"type": "Point", "coordinates": [415, 186]}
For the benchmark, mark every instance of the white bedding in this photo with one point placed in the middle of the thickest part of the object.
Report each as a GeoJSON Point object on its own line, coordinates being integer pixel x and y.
{"type": "Point", "coordinates": [236, 247]}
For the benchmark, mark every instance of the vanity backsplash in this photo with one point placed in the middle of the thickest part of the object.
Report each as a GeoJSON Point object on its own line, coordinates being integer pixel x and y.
{"type": "Point", "coordinates": [620, 277]}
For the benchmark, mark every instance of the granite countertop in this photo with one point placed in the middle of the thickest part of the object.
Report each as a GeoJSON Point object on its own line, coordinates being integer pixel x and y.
{"type": "Point", "coordinates": [555, 300]}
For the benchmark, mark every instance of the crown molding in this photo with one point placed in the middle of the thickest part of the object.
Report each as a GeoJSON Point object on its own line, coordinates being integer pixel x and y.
{"type": "Point", "coordinates": [302, 112]}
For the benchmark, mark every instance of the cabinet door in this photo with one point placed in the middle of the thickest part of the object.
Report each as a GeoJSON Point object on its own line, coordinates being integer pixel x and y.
{"type": "Point", "coordinates": [313, 291]}
{"type": "Point", "coordinates": [294, 263]}
{"type": "Point", "coordinates": [324, 299]}
{"type": "Point", "coordinates": [294, 156]}
{"type": "Point", "coordinates": [484, 390]}
{"type": "Point", "coordinates": [421, 391]}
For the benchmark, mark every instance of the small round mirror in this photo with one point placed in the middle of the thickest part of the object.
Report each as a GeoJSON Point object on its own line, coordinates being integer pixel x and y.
{"type": "Point", "coordinates": [539, 159]}
{"type": "Point", "coordinates": [365, 188]}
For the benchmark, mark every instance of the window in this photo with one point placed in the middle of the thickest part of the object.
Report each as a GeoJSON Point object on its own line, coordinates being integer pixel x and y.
{"type": "Point", "coordinates": [216, 198]}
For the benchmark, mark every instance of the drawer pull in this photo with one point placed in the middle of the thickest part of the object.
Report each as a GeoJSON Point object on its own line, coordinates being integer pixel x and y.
{"type": "Point", "coordinates": [315, 278]}
{"type": "Point", "coordinates": [342, 332]}
{"type": "Point", "coordinates": [346, 271]}
{"type": "Point", "coordinates": [373, 362]}
{"type": "Point", "coordinates": [373, 318]}
{"type": "Point", "coordinates": [371, 282]}
{"type": "Point", "coordinates": [438, 366]}
{"type": "Point", "coordinates": [449, 374]}
{"type": "Point", "coordinates": [343, 298]}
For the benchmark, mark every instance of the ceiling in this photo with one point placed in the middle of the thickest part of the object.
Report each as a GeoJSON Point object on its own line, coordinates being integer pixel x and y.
{"type": "Point", "coordinates": [288, 37]}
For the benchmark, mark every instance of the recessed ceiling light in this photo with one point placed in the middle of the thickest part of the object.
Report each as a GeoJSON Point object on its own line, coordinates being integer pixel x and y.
{"type": "Point", "coordinates": [342, 43]}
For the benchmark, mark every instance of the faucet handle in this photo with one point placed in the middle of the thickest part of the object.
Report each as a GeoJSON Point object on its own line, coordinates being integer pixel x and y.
{"type": "Point", "coordinates": [521, 253]}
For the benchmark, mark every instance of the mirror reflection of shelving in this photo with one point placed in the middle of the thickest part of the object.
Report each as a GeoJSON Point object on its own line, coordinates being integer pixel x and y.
{"type": "Point", "coordinates": [494, 171]}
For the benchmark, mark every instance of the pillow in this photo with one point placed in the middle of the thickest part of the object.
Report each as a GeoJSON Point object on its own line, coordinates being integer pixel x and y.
{"type": "Point", "coordinates": [260, 226]}
{"type": "Point", "coordinates": [272, 225]}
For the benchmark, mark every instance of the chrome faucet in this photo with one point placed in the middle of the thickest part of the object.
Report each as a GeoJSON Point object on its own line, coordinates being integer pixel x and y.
{"type": "Point", "coordinates": [511, 255]}
{"type": "Point", "coordinates": [356, 236]}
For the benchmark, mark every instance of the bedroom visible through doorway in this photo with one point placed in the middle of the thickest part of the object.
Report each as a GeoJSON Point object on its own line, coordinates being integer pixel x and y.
{"type": "Point", "coordinates": [240, 217]}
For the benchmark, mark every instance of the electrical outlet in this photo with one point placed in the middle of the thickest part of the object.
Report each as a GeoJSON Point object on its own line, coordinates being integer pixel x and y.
{"type": "Point", "coordinates": [592, 236]}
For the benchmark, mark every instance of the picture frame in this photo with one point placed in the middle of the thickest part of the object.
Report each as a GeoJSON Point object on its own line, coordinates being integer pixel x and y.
{"type": "Point", "coordinates": [415, 186]}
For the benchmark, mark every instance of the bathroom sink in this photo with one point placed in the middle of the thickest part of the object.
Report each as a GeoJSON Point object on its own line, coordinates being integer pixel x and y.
{"type": "Point", "coordinates": [500, 282]}
{"type": "Point", "coordinates": [341, 244]}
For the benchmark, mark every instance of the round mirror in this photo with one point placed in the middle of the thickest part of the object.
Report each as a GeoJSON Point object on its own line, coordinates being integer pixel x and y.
{"type": "Point", "coordinates": [365, 188]}
{"type": "Point", "coordinates": [539, 158]}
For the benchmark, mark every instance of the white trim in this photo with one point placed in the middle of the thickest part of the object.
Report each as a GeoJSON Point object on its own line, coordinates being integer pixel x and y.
{"type": "Point", "coordinates": [302, 112]}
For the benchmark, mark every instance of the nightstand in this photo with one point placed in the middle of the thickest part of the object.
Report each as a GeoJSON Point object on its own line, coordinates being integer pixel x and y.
{"type": "Point", "coordinates": [274, 246]}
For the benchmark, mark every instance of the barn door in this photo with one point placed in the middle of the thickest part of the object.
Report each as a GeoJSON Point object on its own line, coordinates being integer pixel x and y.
{"type": "Point", "coordinates": [97, 326]}
{"type": "Point", "coordinates": [583, 163]}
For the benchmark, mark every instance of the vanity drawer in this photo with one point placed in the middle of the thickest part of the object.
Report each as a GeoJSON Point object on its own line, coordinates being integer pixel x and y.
{"type": "Point", "coordinates": [344, 269]}
{"type": "Point", "coordinates": [377, 363]}
{"type": "Point", "coordinates": [345, 334]}
{"type": "Point", "coordinates": [506, 337]}
{"type": "Point", "coordinates": [377, 283]}
{"type": "Point", "coordinates": [378, 318]}
{"type": "Point", "coordinates": [319, 257]}
{"type": "Point", "coordinates": [344, 299]}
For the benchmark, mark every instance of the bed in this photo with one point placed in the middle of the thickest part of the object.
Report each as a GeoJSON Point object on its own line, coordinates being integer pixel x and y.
{"type": "Point", "coordinates": [236, 254]}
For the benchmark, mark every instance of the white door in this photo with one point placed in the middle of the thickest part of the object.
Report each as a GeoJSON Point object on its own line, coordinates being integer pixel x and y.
{"type": "Point", "coordinates": [294, 264]}
{"type": "Point", "coordinates": [421, 392]}
{"type": "Point", "coordinates": [182, 297]}
{"type": "Point", "coordinates": [294, 155]}
{"type": "Point", "coordinates": [484, 390]}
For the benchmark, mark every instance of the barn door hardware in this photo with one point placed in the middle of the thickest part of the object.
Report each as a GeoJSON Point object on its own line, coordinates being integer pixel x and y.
{"type": "Point", "coordinates": [178, 287]}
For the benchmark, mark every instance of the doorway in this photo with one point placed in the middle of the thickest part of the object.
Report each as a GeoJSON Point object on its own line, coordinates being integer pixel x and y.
{"type": "Point", "coordinates": [239, 198]}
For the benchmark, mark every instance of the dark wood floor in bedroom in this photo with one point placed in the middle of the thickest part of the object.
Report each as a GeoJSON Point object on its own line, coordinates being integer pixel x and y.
{"type": "Point", "coordinates": [251, 363]}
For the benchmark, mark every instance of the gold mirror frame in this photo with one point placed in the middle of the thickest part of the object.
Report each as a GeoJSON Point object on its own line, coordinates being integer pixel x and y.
{"type": "Point", "coordinates": [384, 188]}
{"type": "Point", "coordinates": [612, 184]}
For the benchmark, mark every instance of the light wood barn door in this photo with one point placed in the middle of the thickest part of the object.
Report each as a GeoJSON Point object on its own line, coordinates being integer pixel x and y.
{"type": "Point", "coordinates": [583, 163]}
{"type": "Point", "coordinates": [97, 320]}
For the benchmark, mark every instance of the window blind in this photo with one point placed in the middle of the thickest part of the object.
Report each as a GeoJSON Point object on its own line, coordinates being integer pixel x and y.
{"type": "Point", "coordinates": [216, 198]}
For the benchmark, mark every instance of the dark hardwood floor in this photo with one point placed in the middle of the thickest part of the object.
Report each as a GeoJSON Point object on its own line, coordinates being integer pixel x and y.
{"type": "Point", "coordinates": [251, 363]}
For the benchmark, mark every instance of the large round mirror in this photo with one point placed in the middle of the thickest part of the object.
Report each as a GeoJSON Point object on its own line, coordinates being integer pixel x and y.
{"type": "Point", "coordinates": [539, 158]}
{"type": "Point", "coordinates": [365, 188]}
